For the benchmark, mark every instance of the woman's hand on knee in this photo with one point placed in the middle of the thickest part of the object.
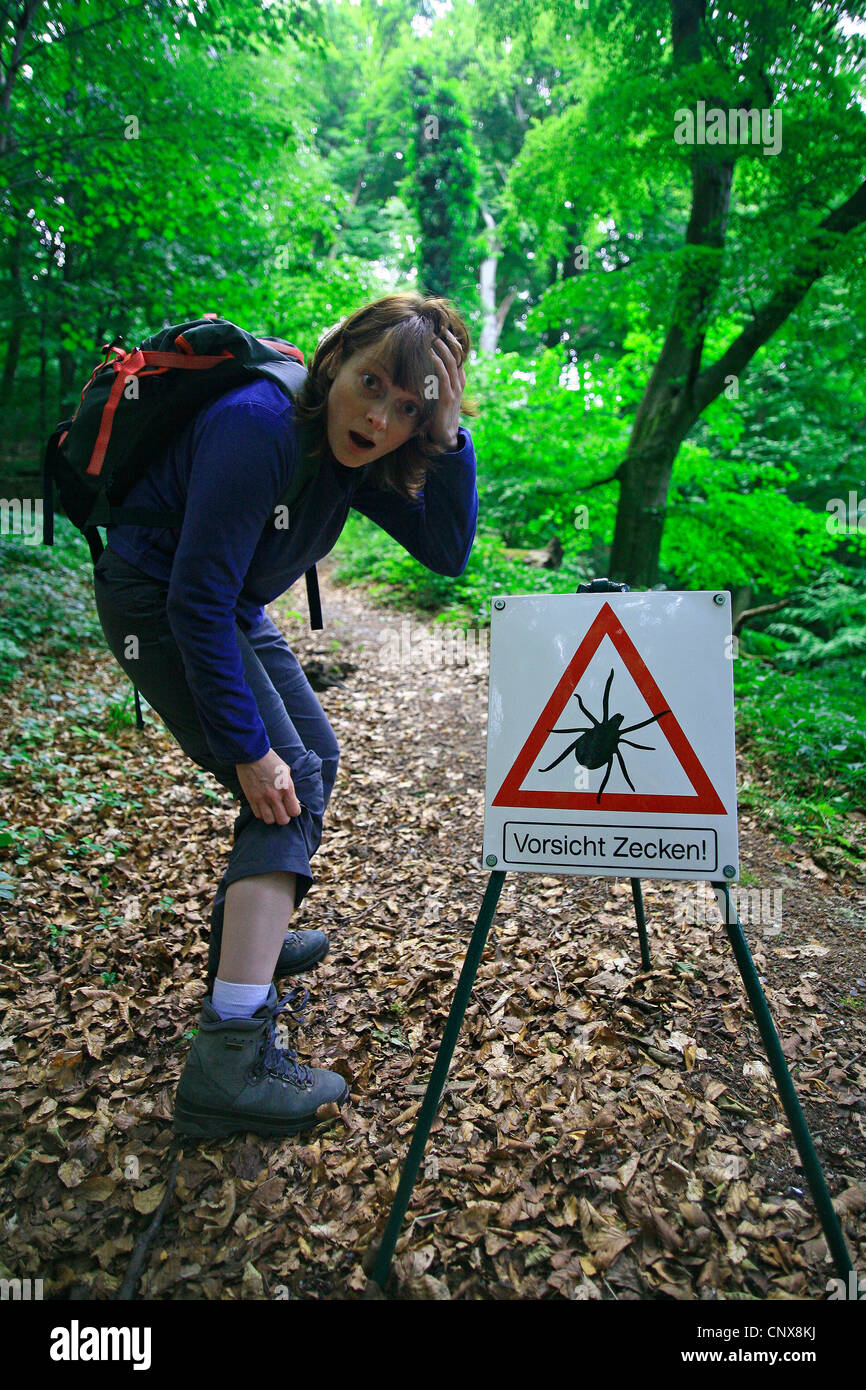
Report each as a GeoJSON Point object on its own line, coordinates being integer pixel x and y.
{"type": "Point", "coordinates": [267, 786]}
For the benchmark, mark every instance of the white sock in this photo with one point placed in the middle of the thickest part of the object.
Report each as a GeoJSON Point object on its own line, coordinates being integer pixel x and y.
{"type": "Point", "coordinates": [238, 1001]}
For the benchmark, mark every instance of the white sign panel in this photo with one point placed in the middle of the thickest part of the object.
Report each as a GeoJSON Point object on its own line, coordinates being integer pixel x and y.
{"type": "Point", "coordinates": [610, 737]}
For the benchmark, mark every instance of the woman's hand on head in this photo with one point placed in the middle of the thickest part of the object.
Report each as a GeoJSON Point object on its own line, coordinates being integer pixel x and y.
{"type": "Point", "coordinates": [267, 786]}
{"type": "Point", "coordinates": [448, 358]}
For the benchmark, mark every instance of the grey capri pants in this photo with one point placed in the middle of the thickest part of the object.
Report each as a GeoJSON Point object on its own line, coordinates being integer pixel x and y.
{"type": "Point", "coordinates": [129, 602]}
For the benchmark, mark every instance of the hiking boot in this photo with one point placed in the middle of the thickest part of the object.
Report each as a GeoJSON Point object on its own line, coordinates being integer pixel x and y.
{"type": "Point", "coordinates": [300, 951]}
{"type": "Point", "coordinates": [237, 1078]}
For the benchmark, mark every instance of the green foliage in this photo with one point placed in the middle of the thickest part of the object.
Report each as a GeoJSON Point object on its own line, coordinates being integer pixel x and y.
{"type": "Point", "coordinates": [121, 712]}
{"type": "Point", "coordinates": [114, 224]}
{"type": "Point", "coordinates": [802, 405]}
{"type": "Point", "coordinates": [48, 597]}
{"type": "Point", "coordinates": [825, 622]}
{"type": "Point", "coordinates": [806, 733]}
{"type": "Point", "coordinates": [365, 554]}
{"type": "Point", "coordinates": [538, 443]}
{"type": "Point", "coordinates": [733, 524]}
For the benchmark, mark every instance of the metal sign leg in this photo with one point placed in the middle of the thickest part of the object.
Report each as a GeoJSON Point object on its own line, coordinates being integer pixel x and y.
{"type": "Point", "coordinates": [799, 1129]}
{"type": "Point", "coordinates": [433, 1094]}
{"type": "Point", "coordinates": [641, 924]}
{"type": "Point", "coordinates": [796, 1119]}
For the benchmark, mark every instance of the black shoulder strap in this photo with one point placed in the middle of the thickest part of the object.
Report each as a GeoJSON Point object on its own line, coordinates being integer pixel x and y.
{"type": "Point", "coordinates": [313, 600]}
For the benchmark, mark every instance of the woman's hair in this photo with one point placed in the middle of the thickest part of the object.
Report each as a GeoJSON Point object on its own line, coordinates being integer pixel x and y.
{"type": "Point", "coordinates": [402, 328]}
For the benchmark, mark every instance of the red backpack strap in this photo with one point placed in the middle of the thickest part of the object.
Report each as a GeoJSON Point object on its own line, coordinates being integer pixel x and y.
{"type": "Point", "coordinates": [140, 363]}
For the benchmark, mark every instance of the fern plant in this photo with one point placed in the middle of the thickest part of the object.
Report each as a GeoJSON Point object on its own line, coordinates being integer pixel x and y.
{"type": "Point", "coordinates": [826, 621]}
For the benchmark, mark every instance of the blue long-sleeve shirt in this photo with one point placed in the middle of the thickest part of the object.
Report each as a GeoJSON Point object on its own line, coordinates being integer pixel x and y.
{"type": "Point", "coordinates": [227, 469]}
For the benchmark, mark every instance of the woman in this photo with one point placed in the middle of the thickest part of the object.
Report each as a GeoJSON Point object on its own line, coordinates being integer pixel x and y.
{"type": "Point", "coordinates": [183, 612]}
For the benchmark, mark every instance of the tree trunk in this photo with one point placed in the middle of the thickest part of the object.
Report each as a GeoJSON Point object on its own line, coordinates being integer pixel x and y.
{"type": "Point", "coordinates": [493, 318]}
{"type": "Point", "coordinates": [9, 71]}
{"type": "Point", "coordinates": [668, 409]}
{"type": "Point", "coordinates": [640, 516]}
{"type": "Point", "coordinates": [552, 336]}
{"type": "Point", "coordinates": [65, 357]}
{"type": "Point", "coordinates": [16, 329]}
{"type": "Point", "coordinates": [10, 362]}
{"type": "Point", "coordinates": [43, 378]}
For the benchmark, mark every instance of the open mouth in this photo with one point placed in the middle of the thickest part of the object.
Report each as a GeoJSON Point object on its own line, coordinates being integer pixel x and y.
{"type": "Point", "coordinates": [360, 441]}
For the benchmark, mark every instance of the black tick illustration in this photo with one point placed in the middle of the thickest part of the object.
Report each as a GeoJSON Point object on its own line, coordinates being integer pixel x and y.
{"type": "Point", "coordinates": [600, 743]}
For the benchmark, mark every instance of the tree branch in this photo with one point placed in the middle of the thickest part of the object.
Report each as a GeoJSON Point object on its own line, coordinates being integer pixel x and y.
{"type": "Point", "coordinates": [144, 1242]}
{"type": "Point", "coordinates": [748, 613]}
{"type": "Point", "coordinates": [813, 260]}
{"type": "Point", "coordinates": [600, 482]}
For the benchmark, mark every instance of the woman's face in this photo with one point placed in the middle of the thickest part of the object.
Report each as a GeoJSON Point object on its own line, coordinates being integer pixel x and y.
{"type": "Point", "coordinates": [364, 404]}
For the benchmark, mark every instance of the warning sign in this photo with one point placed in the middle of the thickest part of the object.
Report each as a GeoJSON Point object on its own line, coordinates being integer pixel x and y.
{"type": "Point", "coordinates": [614, 711]}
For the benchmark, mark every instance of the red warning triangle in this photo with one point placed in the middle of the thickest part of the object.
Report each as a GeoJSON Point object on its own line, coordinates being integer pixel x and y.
{"type": "Point", "coordinates": [705, 799]}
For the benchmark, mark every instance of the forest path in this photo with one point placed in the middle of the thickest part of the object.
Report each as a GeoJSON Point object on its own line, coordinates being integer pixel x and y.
{"type": "Point", "coordinates": [604, 1133]}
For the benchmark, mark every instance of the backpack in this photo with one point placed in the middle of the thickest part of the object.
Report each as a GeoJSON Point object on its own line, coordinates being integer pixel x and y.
{"type": "Point", "coordinates": [135, 403]}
